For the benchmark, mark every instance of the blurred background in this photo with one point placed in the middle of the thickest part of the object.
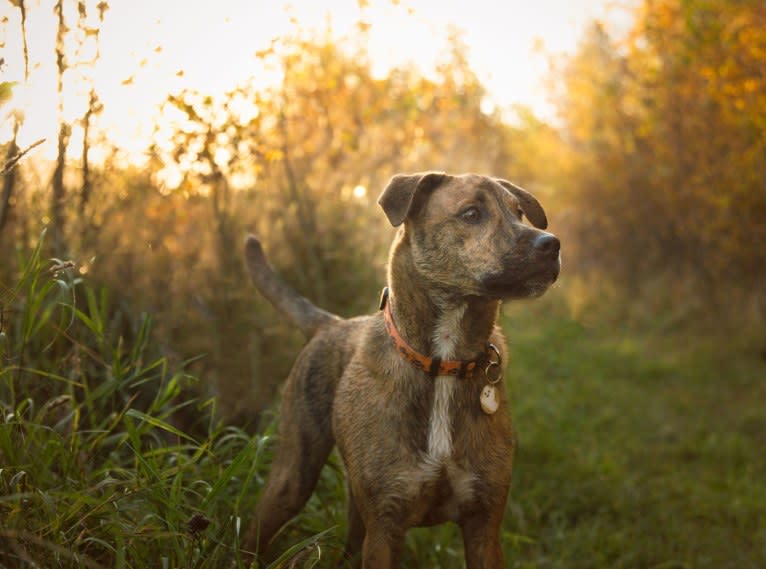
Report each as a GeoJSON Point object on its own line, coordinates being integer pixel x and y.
{"type": "Point", "coordinates": [146, 139]}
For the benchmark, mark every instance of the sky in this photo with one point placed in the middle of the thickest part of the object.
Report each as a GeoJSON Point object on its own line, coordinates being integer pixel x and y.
{"type": "Point", "coordinates": [150, 48]}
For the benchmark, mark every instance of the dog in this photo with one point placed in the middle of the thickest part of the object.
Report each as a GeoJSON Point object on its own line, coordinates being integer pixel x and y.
{"type": "Point", "coordinates": [412, 395]}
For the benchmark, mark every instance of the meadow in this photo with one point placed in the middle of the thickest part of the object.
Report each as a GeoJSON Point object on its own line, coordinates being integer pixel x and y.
{"type": "Point", "coordinates": [634, 451]}
{"type": "Point", "coordinates": [140, 371]}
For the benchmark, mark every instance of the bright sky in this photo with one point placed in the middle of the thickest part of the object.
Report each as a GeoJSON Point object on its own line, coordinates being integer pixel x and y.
{"type": "Point", "coordinates": [145, 43]}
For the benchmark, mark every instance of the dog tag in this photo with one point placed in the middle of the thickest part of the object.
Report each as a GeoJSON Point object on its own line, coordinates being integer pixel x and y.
{"type": "Point", "coordinates": [488, 399]}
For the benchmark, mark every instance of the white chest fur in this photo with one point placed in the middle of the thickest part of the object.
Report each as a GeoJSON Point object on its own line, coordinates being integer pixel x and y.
{"type": "Point", "coordinates": [445, 340]}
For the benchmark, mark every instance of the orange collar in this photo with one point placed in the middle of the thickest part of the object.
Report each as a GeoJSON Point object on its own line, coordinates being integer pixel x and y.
{"type": "Point", "coordinates": [434, 367]}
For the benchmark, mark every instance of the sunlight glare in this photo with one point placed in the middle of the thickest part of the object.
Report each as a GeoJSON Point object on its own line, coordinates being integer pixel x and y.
{"type": "Point", "coordinates": [151, 49]}
{"type": "Point", "coordinates": [359, 192]}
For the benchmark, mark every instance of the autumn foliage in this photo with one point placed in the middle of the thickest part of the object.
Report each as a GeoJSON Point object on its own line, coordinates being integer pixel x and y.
{"type": "Point", "coordinates": [655, 175]}
{"type": "Point", "coordinates": [652, 172]}
{"type": "Point", "coordinates": [664, 133]}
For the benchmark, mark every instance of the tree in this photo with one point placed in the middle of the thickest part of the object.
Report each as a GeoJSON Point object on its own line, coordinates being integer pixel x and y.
{"type": "Point", "coordinates": [665, 129]}
{"type": "Point", "coordinates": [58, 192]}
{"type": "Point", "coordinates": [9, 178]}
{"type": "Point", "coordinates": [64, 63]}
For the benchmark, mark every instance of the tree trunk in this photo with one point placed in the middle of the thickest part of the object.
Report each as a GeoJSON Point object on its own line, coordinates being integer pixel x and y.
{"type": "Point", "coordinates": [87, 184]}
{"type": "Point", "coordinates": [58, 193]}
{"type": "Point", "coordinates": [9, 182]}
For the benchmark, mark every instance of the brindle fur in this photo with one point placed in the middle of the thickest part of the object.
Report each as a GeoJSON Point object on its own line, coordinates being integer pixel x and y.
{"type": "Point", "coordinates": [350, 387]}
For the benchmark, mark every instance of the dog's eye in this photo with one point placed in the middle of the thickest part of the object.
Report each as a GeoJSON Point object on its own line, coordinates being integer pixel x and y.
{"type": "Point", "coordinates": [471, 215]}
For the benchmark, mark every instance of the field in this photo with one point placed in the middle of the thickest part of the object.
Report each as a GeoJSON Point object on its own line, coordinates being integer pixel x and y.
{"type": "Point", "coordinates": [140, 370]}
{"type": "Point", "coordinates": [636, 450]}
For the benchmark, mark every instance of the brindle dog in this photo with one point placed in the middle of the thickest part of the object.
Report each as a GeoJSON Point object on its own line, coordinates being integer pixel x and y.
{"type": "Point", "coordinates": [418, 445]}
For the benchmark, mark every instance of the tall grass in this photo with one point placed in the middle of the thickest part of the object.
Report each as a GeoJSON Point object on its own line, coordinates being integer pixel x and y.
{"type": "Point", "coordinates": [629, 457]}
{"type": "Point", "coordinates": [94, 470]}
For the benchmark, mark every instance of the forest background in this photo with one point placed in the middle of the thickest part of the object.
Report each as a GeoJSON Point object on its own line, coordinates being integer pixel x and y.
{"type": "Point", "coordinates": [139, 371]}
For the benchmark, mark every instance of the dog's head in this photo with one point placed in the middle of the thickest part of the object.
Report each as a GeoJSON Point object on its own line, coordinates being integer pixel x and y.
{"type": "Point", "coordinates": [467, 235]}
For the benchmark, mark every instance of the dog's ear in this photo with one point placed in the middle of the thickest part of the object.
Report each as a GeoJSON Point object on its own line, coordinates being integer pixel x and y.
{"type": "Point", "coordinates": [529, 204]}
{"type": "Point", "coordinates": [399, 195]}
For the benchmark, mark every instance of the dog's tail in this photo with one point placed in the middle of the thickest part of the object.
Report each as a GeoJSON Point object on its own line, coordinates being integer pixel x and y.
{"type": "Point", "coordinates": [298, 309]}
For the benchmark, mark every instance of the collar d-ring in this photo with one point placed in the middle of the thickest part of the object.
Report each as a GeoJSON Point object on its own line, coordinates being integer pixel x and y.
{"type": "Point", "coordinates": [494, 369]}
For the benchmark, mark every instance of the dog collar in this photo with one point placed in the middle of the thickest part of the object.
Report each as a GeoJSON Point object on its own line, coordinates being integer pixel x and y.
{"type": "Point", "coordinates": [462, 369]}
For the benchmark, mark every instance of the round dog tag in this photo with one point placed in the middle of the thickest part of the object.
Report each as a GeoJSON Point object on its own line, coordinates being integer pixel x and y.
{"type": "Point", "coordinates": [488, 399]}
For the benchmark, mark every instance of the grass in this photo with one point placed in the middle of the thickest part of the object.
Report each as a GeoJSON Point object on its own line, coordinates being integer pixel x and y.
{"type": "Point", "coordinates": [93, 472]}
{"type": "Point", "coordinates": [632, 453]}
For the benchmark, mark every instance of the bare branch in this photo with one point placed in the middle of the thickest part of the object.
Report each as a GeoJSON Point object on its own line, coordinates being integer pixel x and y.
{"type": "Point", "coordinates": [11, 163]}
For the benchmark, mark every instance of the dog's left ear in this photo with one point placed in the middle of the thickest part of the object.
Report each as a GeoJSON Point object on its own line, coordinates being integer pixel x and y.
{"type": "Point", "coordinates": [529, 204]}
{"type": "Point", "coordinates": [399, 195]}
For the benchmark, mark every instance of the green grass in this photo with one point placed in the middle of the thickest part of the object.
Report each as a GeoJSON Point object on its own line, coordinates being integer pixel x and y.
{"type": "Point", "coordinates": [93, 472]}
{"type": "Point", "coordinates": [634, 451]}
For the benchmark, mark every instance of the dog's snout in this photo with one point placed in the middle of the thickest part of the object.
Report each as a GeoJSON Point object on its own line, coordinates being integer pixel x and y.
{"type": "Point", "coordinates": [547, 244]}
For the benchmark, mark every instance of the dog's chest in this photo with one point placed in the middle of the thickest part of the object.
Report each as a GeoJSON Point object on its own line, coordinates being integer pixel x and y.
{"type": "Point", "coordinates": [444, 491]}
{"type": "Point", "coordinates": [445, 340]}
{"type": "Point", "coordinates": [454, 485]}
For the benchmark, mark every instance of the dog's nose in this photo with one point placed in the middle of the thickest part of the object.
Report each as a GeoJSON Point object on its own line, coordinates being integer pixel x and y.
{"type": "Point", "coordinates": [547, 244]}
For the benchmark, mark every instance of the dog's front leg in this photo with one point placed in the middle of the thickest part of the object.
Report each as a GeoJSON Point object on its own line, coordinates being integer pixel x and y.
{"type": "Point", "coordinates": [481, 539]}
{"type": "Point", "coordinates": [356, 533]}
{"type": "Point", "coordinates": [382, 547]}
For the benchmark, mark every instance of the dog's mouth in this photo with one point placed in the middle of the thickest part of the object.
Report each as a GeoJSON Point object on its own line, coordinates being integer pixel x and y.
{"type": "Point", "coordinates": [529, 283]}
